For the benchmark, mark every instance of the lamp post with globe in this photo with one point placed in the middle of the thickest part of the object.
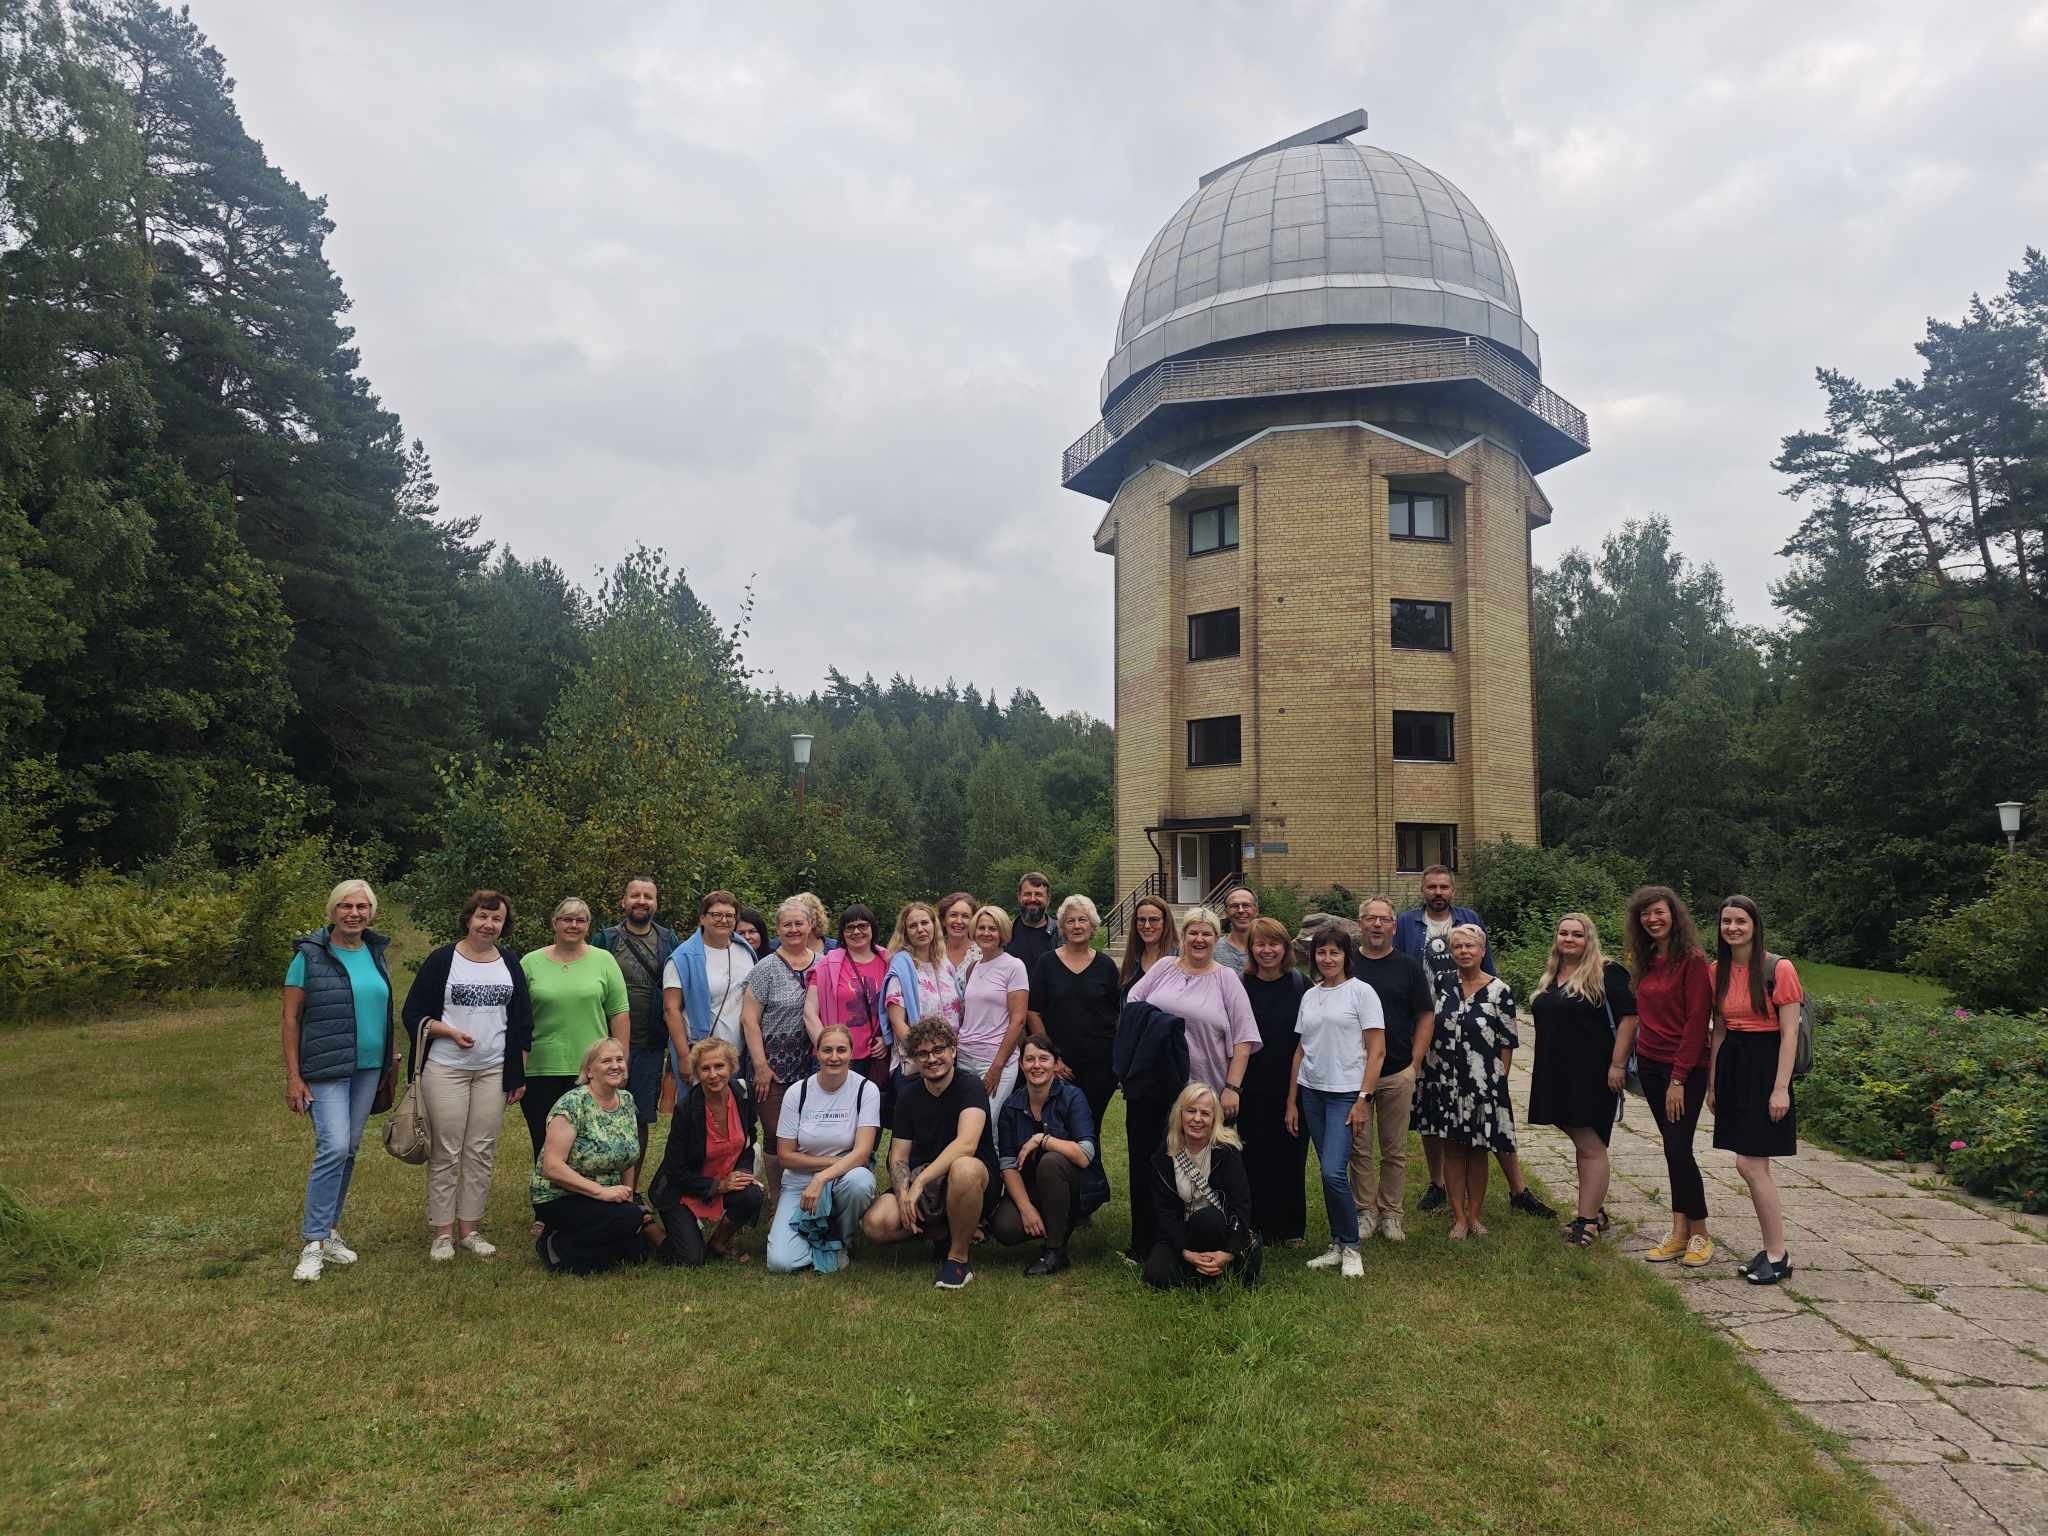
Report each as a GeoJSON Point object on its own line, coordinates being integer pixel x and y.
{"type": "Point", "coordinates": [2009, 823]}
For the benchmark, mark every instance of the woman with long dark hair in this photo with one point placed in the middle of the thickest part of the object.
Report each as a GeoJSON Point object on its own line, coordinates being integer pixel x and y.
{"type": "Point", "coordinates": [1274, 1155]}
{"type": "Point", "coordinates": [1749, 1077]}
{"type": "Point", "coordinates": [1674, 1001]}
{"type": "Point", "coordinates": [1153, 938]}
{"type": "Point", "coordinates": [845, 988]}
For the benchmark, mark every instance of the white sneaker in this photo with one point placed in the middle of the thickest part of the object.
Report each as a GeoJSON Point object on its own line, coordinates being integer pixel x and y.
{"type": "Point", "coordinates": [1391, 1230]}
{"type": "Point", "coordinates": [309, 1263]}
{"type": "Point", "coordinates": [474, 1243]}
{"type": "Point", "coordinates": [336, 1251]}
{"type": "Point", "coordinates": [1330, 1258]}
{"type": "Point", "coordinates": [443, 1249]}
{"type": "Point", "coordinates": [1354, 1266]}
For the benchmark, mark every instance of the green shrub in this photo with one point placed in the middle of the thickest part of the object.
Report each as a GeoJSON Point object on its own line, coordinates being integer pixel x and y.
{"type": "Point", "coordinates": [1520, 892]}
{"type": "Point", "coordinates": [43, 1250]}
{"type": "Point", "coordinates": [1284, 904]}
{"type": "Point", "coordinates": [1905, 1080]}
{"type": "Point", "coordinates": [1338, 901]}
{"type": "Point", "coordinates": [1992, 953]}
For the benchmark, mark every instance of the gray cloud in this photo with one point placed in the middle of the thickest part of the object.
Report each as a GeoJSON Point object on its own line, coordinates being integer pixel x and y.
{"type": "Point", "coordinates": [814, 295]}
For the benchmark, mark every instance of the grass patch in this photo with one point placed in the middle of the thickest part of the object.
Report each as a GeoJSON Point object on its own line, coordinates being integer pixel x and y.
{"type": "Point", "coordinates": [1855, 986]}
{"type": "Point", "coordinates": [42, 1251]}
{"type": "Point", "coordinates": [1509, 1385]}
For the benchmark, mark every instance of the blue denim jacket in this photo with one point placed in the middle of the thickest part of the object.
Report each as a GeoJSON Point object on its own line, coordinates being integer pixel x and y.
{"type": "Point", "coordinates": [1066, 1117]}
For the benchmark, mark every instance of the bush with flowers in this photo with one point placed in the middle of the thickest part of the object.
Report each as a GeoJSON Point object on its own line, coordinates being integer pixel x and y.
{"type": "Point", "coordinates": [1966, 1091]}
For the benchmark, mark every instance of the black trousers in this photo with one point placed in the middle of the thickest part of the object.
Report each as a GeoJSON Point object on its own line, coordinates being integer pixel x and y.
{"type": "Point", "coordinates": [1144, 1131]}
{"type": "Point", "coordinates": [1166, 1270]}
{"type": "Point", "coordinates": [582, 1236]}
{"type": "Point", "coordinates": [1688, 1189]}
{"type": "Point", "coordinates": [683, 1234]}
{"type": "Point", "coordinates": [1097, 1082]}
{"type": "Point", "coordinates": [542, 1095]}
{"type": "Point", "coordinates": [1055, 1186]}
{"type": "Point", "coordinates": [1273, 1163]}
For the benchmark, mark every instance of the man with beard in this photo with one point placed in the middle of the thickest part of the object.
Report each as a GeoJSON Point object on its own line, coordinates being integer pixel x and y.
{"type": "Point", "coordinates": [1425, 933]}
{"type": "Point", "coordinates": [1033, 933]}
{"type": "Point", "coordinates": [642, 947]}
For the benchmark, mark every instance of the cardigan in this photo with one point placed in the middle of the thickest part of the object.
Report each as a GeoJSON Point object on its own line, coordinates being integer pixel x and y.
{"type": "Point", "coordinates": [1226, 1177]}
{"type": "Point", "coordinates": [1150, 1056]}
{"type": "Point", "coordinates": [429, 991]}
{"type": "Point", "coordinates": [682, 1163]}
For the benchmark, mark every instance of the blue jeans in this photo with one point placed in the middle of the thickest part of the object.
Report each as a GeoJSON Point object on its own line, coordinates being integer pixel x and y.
{"type": "Point", "coordinates": [852, 1193]}
{"type": "Point", "coordinates": [341, 1108]}
{"type": "Point", "coordinates": [1326, 1116]}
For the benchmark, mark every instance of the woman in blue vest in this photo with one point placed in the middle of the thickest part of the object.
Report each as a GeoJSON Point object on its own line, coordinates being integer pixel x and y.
{"type": "Point", "coordinates": [338, 1044]}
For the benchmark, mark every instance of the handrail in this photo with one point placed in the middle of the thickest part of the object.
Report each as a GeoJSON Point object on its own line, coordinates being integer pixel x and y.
{"type": "Point", "coordinates": [1119, 918]}
{"type": "Point", "coordinates": [1308, 370]}
{"type": "Point", "coordinates": [1223, 888]}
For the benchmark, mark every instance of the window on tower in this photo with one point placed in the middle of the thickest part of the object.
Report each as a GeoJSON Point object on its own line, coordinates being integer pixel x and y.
{"type": "Point", "coordinates": [1419, 514]}
{"type": "Point", "coordinates": [1212, 528]}
{"type": "Point", "coordinates": [1214, 741]}
{"type": "Point", "coordinates": [1419, 844]}
{"type": "Point", "coordinates": [1421, 626]}
{"type": "Point", "coordinates": [1421, 736]}
{"type": "Point", "coordinates": [1212, 634]}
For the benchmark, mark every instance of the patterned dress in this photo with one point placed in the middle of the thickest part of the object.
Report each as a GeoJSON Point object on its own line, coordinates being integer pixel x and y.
{"type": "Point", "coordinates": [1463, 1096]}
{"type": "Point", "coordinates": [607, 1142]}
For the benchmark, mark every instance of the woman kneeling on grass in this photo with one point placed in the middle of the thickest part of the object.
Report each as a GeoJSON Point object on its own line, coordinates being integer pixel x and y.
{"type": "Point", "coordinates": [1749, 1077]}
{"type": "Point", "coordinates": [1464, 1097]}
{"type": "Point", "coordinates": [1201, 1199]}
{"type": "Point", "coordinates": [706, 1172]}
{"type": "Point", "coordinates": [827, 1128]}
{"type": "Point", "coordinates": [582, 1187]}
{"type": "Point", "coordinates": [1585, 1016]}
{"type": "Point", "coordinates": [1045, 1146]}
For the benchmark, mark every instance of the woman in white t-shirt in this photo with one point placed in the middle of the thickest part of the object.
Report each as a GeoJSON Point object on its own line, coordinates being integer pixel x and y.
{"type": "Point", "coordinates": [827, 1127]}
{"type": "Point", "coordinates": [1343, 1042]}
{"type": "Point", "coordinates": [470, 1022]}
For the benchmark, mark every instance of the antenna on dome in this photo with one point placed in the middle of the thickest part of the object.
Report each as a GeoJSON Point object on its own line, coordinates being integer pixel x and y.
{"type": "Point", "coordinates": [1335, 131]}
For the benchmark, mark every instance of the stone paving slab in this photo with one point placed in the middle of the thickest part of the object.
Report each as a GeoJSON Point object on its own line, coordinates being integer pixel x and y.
{"type": "Point", "coordinates": [1914, 1326]}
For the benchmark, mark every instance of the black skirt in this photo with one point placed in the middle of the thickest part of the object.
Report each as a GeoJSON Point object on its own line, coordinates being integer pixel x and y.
{"type": "Point", "coordinates": [1745, 1072]}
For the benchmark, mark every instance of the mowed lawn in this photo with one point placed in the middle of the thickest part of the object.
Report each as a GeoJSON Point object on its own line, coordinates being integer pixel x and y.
{"type": "Point", "coordinates": [1850, 985]}
{"type": "Point", "coordinates": [1505, 1385]}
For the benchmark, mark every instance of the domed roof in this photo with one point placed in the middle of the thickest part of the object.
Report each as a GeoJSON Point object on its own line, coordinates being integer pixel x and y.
{"type": "Point", "coordinates": [1313, 235]}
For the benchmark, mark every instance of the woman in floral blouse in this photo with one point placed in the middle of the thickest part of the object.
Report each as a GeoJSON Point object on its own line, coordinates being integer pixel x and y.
{"type": "Point", "coordinates": [1464, 1095]}
{"type": "Point", "coordinates": [582, 1186]}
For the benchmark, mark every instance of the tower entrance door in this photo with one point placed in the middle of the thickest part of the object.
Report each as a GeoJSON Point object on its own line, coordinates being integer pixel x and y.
{"type": "Point", "coordinates": [1200, 859]}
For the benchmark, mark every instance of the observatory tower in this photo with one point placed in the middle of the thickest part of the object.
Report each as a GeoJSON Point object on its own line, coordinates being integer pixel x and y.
{"type": "Point", "coordinates": [1322, 424]}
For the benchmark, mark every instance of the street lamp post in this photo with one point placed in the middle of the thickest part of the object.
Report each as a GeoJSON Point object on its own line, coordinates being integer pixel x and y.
{"type": "Point", "coordinates": [800, 753]}
{"type": "Point", "coordinates": [2009, 823]}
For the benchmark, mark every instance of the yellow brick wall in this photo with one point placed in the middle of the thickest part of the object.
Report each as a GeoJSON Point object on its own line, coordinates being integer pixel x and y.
{"type": "Point", "coordinates": [1314, 577]}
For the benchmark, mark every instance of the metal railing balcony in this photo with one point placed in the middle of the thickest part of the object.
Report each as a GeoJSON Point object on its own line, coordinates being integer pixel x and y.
{"type": "Point", "coordinates": [1315, 370]}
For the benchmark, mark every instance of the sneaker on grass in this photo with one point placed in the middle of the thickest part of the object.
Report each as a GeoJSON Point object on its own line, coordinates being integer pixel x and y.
{"type": "Point", "coordinates": [954, 1275]}
{"type": "Point", "coordinates": [442, 1249]}
{"type": "Point", "coordinates": [336, 1251]}
{"type": "Point", "coordinates": [309, 1263]}
{"type": "Point", "coordinates": [1433, 1199]}
{"type": "Point", "coordinates": [475, 1243]}
{"type": "Point", "coordinates": [1354, 1266]}
{"type": "Point", "coordinates": [1392, 1230]}
{"type": "Point", "coordinates": [1527, 1203]}
{"type": "Point", "coordinates": [1329, 1258]}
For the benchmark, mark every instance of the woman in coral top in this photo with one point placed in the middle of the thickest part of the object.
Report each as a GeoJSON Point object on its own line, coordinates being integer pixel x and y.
{"type": "Point", "coordinates": [1749, 1082]}
{"type": "Point", "coordinates": [1674, 1002]}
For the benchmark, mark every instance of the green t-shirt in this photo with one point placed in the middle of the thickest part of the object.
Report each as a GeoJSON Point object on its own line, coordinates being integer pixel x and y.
{"type": "Point", "coordinates": [373, 1001]}
{"type": "Point", "coordinates": [572, 1008]}
{"type": "Point", "coordinates": [607, 1142]}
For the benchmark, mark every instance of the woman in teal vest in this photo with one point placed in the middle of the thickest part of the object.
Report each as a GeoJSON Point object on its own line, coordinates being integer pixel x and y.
{"type": "Point", "coordinates": [338, 1044]}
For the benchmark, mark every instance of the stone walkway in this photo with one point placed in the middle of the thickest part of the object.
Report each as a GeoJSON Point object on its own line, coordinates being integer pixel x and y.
{"type": "Point", "coordinates": [1914, 1325]}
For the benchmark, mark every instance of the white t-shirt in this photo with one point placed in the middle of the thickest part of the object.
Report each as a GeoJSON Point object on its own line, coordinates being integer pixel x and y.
{"type": "Point", "coordinates": [1332, 1025]}
{"type": "Point", "coordinates": [823, 1123]}
{"type": "Point", "coordinates": [727, 971]}
{"type": "Point", "coordinates": [477, 1001]}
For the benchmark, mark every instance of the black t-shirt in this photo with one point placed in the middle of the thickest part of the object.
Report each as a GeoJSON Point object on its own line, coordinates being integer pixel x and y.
{"type": "Point", "coordinates": [1079, 1011]}
{"type": "Point", "coordinates": [1276, 1005]}
{"type": "Point", "coordinates": [929, 1121]}
{"type": "Point", "coordinates": [1405, 990]}
{"type": "Point", "coordinates": [1028, 944]}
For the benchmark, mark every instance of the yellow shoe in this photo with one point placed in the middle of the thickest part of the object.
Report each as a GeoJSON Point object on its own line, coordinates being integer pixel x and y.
{"type": "Point", "coordinates": [1699, 1252]}
{"type": "Point", "coordinates": [1666, 1251]}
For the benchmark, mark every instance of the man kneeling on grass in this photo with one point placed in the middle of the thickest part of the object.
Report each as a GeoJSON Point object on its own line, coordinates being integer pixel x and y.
{"type": "Point", "coordinates": [943, 1181]}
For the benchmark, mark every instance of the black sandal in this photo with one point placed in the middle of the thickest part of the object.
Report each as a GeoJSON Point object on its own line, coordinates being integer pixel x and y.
{"type": "Point", "coordinates": [1765, 1270]}
{"type": "Point", "coordinates": [1580, 1232]}
{"type": "Point", "coordinates": [1603, 1221]}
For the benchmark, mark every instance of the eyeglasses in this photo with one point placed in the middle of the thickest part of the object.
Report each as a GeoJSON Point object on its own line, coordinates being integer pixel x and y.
{"type": "Point", "coordinates": [933, 1054]}
{"type": "Point", "coordinates": [859, 928]}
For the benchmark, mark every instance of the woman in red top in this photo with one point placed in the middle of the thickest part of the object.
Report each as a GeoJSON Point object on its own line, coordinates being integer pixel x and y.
{"type": "Point", "coordinates": [1674, 1001]}
{"type": "Point", "coordinates": [1749, 1084]}
{"type": "Point", "coordinates": [707, 1171]}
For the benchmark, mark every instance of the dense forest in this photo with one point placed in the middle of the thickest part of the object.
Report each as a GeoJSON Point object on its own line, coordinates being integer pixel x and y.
{"type": "Point", "coordinates": [245, 647]}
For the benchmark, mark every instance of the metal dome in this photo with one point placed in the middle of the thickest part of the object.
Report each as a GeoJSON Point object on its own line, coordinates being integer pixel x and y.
{"type": "Point", "coordinates": [1315, 235]}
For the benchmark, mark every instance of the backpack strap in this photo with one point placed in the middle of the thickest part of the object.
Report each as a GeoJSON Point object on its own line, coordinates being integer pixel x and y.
{"type": "Point", "coordinates": [1771, 978]}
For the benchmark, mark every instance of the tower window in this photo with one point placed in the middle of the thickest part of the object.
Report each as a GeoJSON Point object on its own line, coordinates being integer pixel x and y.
{"type": "Point", "coordinates": [1214, 741]}
{"type": "Point", "coordinates": [1212, 634]}
{"type": "Point", "coordinates": [1419, 515]}
{"type": "Point", "coordinates": [1212, 528]}
{"type": "Point", "coordinates": [1423, 737]}
{"type": "Point", "coordinates": [1421, 626]}
{"type": "Point", "coordinates": [1419, 844]}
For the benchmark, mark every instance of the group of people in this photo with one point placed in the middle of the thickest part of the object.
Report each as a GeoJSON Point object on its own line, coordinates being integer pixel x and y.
{"type": "Point", "coordinates": [990, 1045]}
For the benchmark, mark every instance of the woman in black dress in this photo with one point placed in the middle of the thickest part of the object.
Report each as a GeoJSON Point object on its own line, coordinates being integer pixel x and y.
{"type": "Point", "coordinates": [1075, 995]}
{"type": "Point", "coordinates": [1585, 1012]}
{"type": "Point", "coordinates": [1274, 1157]}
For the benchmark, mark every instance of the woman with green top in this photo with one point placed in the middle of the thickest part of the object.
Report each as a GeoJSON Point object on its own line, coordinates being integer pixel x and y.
{"type": "Point", "coordinates": [582, 1184]}
{"type": "Point", "coordinates": [579, 997]}
{"type": "Point", "coordinates": [338, 1044]}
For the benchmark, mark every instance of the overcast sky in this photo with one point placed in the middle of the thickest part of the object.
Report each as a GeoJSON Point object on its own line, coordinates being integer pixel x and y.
{"type": "Point", "coordinates": [813, 297]}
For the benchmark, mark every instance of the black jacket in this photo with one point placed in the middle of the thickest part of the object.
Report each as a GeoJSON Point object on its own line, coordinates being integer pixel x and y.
{"type": "Point", "coordinates": [1226, 1177]}
{"type": "Point", "coordinates": [1150, 1056]}
{"type": "Point", "coordinates": [429, 991]}
{"type": "Point", "coordinates": [682, 1164]}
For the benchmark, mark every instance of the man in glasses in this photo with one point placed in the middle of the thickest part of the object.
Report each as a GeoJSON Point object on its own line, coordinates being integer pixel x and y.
{"type": "Point", "coordinates": [943, 1177]}
{"type": "Point", "coordinates": [1240, 906]}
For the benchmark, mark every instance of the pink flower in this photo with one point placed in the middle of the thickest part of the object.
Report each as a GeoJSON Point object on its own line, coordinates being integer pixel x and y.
{"type": "Point", "coordinates": [1962, 1013]}
{"type": "Point", "coordinates": [1957, 1146]}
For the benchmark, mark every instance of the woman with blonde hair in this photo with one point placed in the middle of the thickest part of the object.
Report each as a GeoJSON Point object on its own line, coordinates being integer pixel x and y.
{"type": "Point", "coordinates": [772, 1019]}
{"type": "Point", "coordinates": [338, 1047]}
{"type": "Point", "coordinates": [1201, 1199]}
{"type": "Point", "coordinates": [1585, 1015]}
{"type": "Point", "coordinates": [707, 1171]}
{"type": "Point", "coordinates": [578, 994]}
{"type": "Point", "coordinates": [922, 981]}
{"type": "Point", "coordinates": [995, 995]}
{"type": "Point", "coordinates": [956, 929]}
{"type": "Point", "coordinates": [582, 1184]}
{"type": "Point", "coordinates": [1153, 937]}
{"type": "Point", "coordinates": [1463, 1100]}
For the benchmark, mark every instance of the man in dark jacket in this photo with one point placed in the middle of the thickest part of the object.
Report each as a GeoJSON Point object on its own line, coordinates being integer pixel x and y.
{"type": "Point", "coordinates": [642, 947]}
